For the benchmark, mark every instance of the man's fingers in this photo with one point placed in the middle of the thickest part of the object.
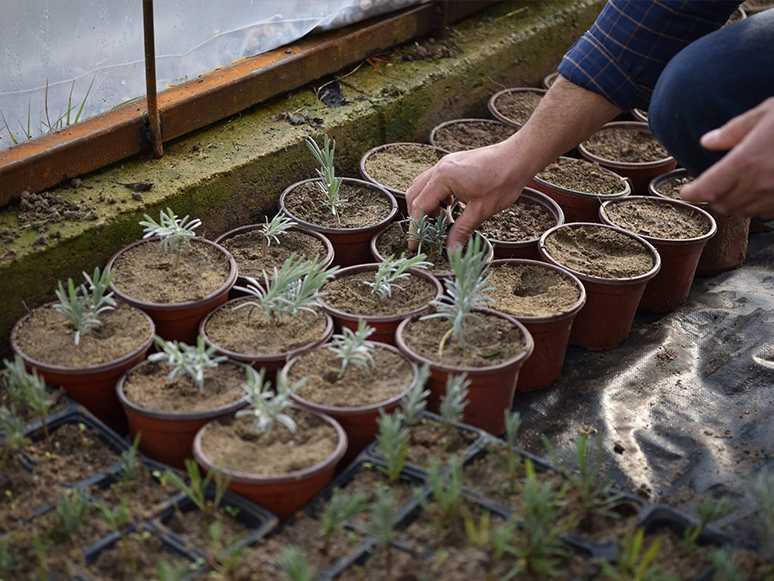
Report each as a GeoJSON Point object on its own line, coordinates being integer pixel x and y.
{"type": "Point", "coordinates": [730, 134]}
{"type": "Point", "coordinates": [431, 196]}
{"type": "Point", "coordinates": [463, 228]}
{"type": "Point", "coordinates": [713, 184]}
{"type": "Point", "coordinates": [416, 188]}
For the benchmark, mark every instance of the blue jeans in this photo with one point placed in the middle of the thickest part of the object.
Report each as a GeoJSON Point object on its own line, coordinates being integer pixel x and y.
{"type": "Point", "coordinates": [709, 82]}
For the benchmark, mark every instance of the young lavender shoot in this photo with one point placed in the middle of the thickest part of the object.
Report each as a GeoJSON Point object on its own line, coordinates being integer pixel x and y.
{"type": "Point", "coordinates": [70, 511]}
{"type": "Point", "coordinates": [726, 568]}
{"type": "Point", "coordinates": [340, 509]}
{"type": "Point", "coordinates": [175, 233]}
{"type": "Point", "coordinates": [187, 359]}
{"type": "Point", "coordinates": [8, 562]}
{"type": "Point", "coordinates": [329, 184]}
{"type": "Point", "coordinates": [83, 305]}
{"type": "Point", "coordinates": [446, 491]}
{"type": "Point", "coordinates": [428, 231]}
{"type": "Point", "coordinates": [28, 389]}
{"type": "Point", "coordinates": [393, 270]}
{"type": "Point", "coordinates": [382, 524]}
{"type": "Point", "coordinates": [268, 407]}
{"type": "Point", "coordinates": [167, 572]}
{"type": "Point", "coordinates": [633, 563]}
{"type": "Point", "coordinates": [130, 467]}
{"type": "Point", "coordinates": [118, 521]}
{"type": "Point", "coordinates": [760, 497]}
{"type": "Point", "coordinates": [454, 402]}
{"type": "Point", "coordinates": [354, 347]}
{"type": "Point", "coordinates": [464, 293]}
{"type": "Point", "coordinates": [391, 444]}
{"type": "Point", "coordinates": [710, 510]}
{"type": "Point", "coordinates": [510, 464]}
{"type": "Point", "coordinates": [293, 562]}
{"type": "Point", "coordinates": [196, 491]}
{"type": "Point", "coordinates": [415, 402]}
{"type": "Point", "coordinates": [14, 439]}
{"type": "Point", "coordinates": [271, 231]}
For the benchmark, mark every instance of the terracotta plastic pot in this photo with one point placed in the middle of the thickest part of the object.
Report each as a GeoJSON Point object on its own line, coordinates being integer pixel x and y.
{"type": "Point", "coordinates": [492, 104]}
{"type": "Point", "coordinates": [400, 196]}
{"type": "Point", "coordinates": [457, 121]}
{"type": "Point", "coordinates": [551, 334]}
{"type": "Point", "coordinates": [351, 245]}
{"type": "Point", "coordinates": [679, 258]}
{"type": "Point", "coordinates": [178, 321]}
{"type": "Point", "coordinates": [384, 325]}
{"type": "Point", "coordinates": [287, 493]}
{"type": "Point", "coordinates": [167, 437]}
{"type": "Point", "coordinates": [578, 206]}
{"type": "Point", "coordinates": [606, 319]}
{"type": "Point", "coordinates": [272, 363]}
{"type": "Point", "coordinates": [640, 173]}
{"type": "Point", "coordinates": [492, 388]}
{"type": "Point", "coordinates": [358, 422]}
{"type": "Point", "coordinates": [526, 248]}
{"type": "Point", "coordinates": [92, 387]}
{"type": "Point", "coordinates": [549, 80]}
{"type": "Point", "coordinates": [727, 250]}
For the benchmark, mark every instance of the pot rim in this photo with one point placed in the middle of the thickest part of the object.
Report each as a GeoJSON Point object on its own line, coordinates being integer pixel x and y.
{"type": "Point", "coordinates": [600, 198]}
{"type": "Point", "coordinates": [350, 411]}
{"type": "Point", "coordinates": [358, 268]}
{"type": "Point", "coordinates": [655, 256]}
{"type": "Point", "coordinates": [492, 103]}
{"type": "Point", "coordinates": [171, 416]}
{"type": "Point", "coordinates": [517, 360]}
{"type": "Point", "coordinates": [670, 175]}
{"type": "Point", "coordinates": [547, 79]}
{"type": "Point", "coordinates": [306, 473]}
{"type": "Point", "coordinates": [566, 314]}
{"type": "Point", "coordinates": [367, 154]}
{"type": "Point", "coordinates": [623, 165]}
{"type": "Point", "coordinates": [665, 241]}
{"type": "Point", "coordinates": [440, 126]}
{"type": "Point", "coordinates": [329, 230]}
{"type": "Point", "coordinates": [535, 196]}
{"type": "Point", "coordinates": [92, 369]}
{"type": "Point", "coordinates": [156, 307]}
{"type": "Point", "coordinates": [640, 115]}
{"type": "Point", "coordinates": [255, 358]}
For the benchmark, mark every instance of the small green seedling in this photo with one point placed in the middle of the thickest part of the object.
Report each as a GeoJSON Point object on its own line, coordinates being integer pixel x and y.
{"type": "Point", "coordinates": [70, 511]}
{"type": "Point", "coordinates": [119, 521]}
{"type": "Point", "coordinates": [82, 306]}
{"type": "Point", "coordinates": [454, 402]}
{"type": "Point", "coordinates": [512, 461]}
{"type": "Point", "coordinates": [760, 497]}
{"type": "Point", "coordinates": [13, 380]}
{"type": "Point", "coordinates": [8, 562]}
{"type": "Point", "coordinates": [167, 572]}
{"type": "Point", "coordinates": [354, 347]}
{"type": "Point", "coordinates": [446, 492]}
{"type": "Point", "coordinates": [33, 389]}
{"type": "Point", "coordinates": [633, 564]}
{"type": "Point", "coordinates": [710, 510]}
{"type": "Point", "coordinates": [329, 184]}
{"type": "Point", "coordinates": [41, 556]}
{"type": "Point", "coordinates": [14, 440]}
{"type": "Point", "coordinates": [393, 270]}
{"type": "Point", "coordinates": [186, 359]}
{"type": "Point", "coordinates": [430, 232]}
{"type": "Point", "coordinates": [391, 444]}
{"type": "Point", "coordinates": [340, 509]}
{"type": "Point", "coordinates": [130, 467]}
{"type": "Point", "coordinates": [478, 535]}
{"type": "Point", "coordinates": [382, 523]}
{"type": "Point", "coordinates": [726, 567]}
{"type": "Point", "coordinates": [414, 403]}
{"type": "Point", "coordinates": [197, 490]}
{"type": "Point", "coordinates": [293, 562]}
{"type": "Point", "coordinates": [268, 407]}
{"type": "Point", "coordinates": [271, 231]}
{"type": "Point", "coordinates": [175, 234]}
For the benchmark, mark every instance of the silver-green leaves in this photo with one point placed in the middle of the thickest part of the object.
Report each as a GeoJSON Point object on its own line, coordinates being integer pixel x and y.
{"type": "Point", "coordinates": [83, 305]}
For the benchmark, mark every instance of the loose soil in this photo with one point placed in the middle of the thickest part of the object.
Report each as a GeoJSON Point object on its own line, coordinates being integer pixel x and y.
{"type": "Point", "coordinates": [598, 251]}
{"type": "Point", "coordinates": [428, 440]}
{"type": "Point", "coordinates": [625, 145]}
{"type": "Point", "coordinates": [392, 375]}
{"type": "Point", "coordinates": [465, 135]}
{"type": "Point", "coordinates": [23, 411]}
{"type": "Point", "coordinates": [489, 341]}
{"type": "Point", "coordinates": [531, 291]}
{"type": "Point", "coordinates": [657, 219]}
{"type": "Point", "coordinates": [145, 494]}
{"type": "Point", "coordinates": [22, 492]}
{"type": "Point", "coordinates": [525, 220]}
{"type": "Point", "coordinates": [250, 332]}
{"type": "Point", "coordinates": [192, 527]}
{"type": "Point", "coordinates": [518, 106]}
{"type": "Point", "coordinates": [48, 337]}
{"type": "Point", "coordinates": [397, 166]}
{"type": "Point", "coordinates": [366, 482]}
{"type": "Point", "coordinates": [233, 442]}
{"type": "Point", "coordinates": [582, 176]}
{"type": "Point", "coordinates": [149, 387]}
{"type": "Point", "coordinates": [352, 295]}
{"type": "Point", "coordinates": [364, 207]}
{"type": "Point", "coordinates": [147, 273]}
{"type": "Point", "coordinates": [247, 250]}
{"type": "Point", "coordinates": [672, 558]}
{"type": "Point", "coordinates": [671, 188]}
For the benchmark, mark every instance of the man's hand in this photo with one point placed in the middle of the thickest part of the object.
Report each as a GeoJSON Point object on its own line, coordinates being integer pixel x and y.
{"type": "Point", "coordinates": [742, 182]}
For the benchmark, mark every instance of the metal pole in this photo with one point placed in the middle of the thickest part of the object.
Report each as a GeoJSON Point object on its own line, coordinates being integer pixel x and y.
{"type": "Point", "coordinates": [154, 121]}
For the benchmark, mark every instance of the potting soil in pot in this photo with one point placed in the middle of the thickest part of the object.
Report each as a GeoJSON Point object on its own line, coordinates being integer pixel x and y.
{"type": "Point", "coordinates": [531, 291]}
{"type": "Point", "coordinates": [247, 250]}
{"type": "Point", "coordinates": [351, 294]}
{"type": "Point", "coordinates": [147, 273]}
{"type": "Point", "coordinates": [518, 106]}
{"type": "Point", "coordinates": [465, 135]}
{"type": "Point", "coordinates": [525, 220]}
{"type": "Point", "coordinates": [47, 336]}
{"type": "Point", "coordinates": [392, 374]}
{"type": "Point", "coordinates": [625, 145]}
{"type": "Point", "coordinates": [671, 188]}
{"type": "Point", "coordinates": [583, 176]}
{"type": "Point", "coordinates": [657, 219]}
{"type": "Point", "coordinates": [364, 206]}
{"type": "Point", "coordinates": [599, 251]}
{"type": "Point", "coordinates": [397, 166]}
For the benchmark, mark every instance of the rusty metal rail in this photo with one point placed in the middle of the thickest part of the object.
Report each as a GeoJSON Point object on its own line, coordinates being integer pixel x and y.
{"type": "Point", "coordinates": [104, 139]}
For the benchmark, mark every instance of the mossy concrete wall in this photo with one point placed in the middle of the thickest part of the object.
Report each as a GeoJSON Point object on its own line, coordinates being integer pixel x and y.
{"type": "Point", "coordinates": [232, 173]}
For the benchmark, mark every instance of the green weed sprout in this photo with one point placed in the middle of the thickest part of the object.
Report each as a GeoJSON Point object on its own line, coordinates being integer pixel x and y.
{"type": "Point", "coordinates": [70, 511]}
{"type": "Point", "coordinates": [428, 231]}
{"type": "Point", "coordinates": [268, 407]}
{"type": "Point", "coordinates": [175, 233]}
{"type": "Point", "coordinates": [293, 562]}
{"type": "Point", "coordinates": [354, 347]}
{"type": "Point", "coordinates": [28, 389]}
{"type": "Point", "coordinates": [14, 439]}
{"type": "Point", "coordinates": [8, 563]}
{"type": "Point", "coordinates": [393, 270]}
{"type": "Point", "coordinates": [271, 231]}
{"type": "Point", "coordinates": [391, 444]}
{"type": "Point", "coordinates": [465, 292]}
{"type": "Point", "coordinates": [82, 306]}
{"type": "Point", "coordinates": [761, 498]}
{"type": "Point", "coordinates": [454, 402]}
{"type": "Point", "coordinates": [118, 521]}
{"type": "Point", "coordinates": [415, 401]}
{"type": "Point", "coordinates": [710, 510]}
{"type": "Point", "coordinates": [725, 565]}
{"type": "Point", "coordinates": [446, 491]}
{"type": "Point", "coordinates": [633, 564]}
{"type": "Point", "coordinates": [340, 509]}
{"type": "Point", "coordinates": [187, 359]}
{"type": "Point", "coordinates": [329, 184]}
{"type": "Point", "coordinates": [382, 524]}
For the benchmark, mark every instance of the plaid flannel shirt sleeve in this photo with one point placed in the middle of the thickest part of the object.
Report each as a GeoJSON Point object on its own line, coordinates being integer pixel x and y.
{"type": "Point", "coordinates": [623, 54]}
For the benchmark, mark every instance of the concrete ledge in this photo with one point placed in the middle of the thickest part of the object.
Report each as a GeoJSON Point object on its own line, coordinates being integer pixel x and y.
{"type": "Point", "coordinates": [232, 173]}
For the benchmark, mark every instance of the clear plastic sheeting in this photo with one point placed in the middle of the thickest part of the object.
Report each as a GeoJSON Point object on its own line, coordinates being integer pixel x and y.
{"type": "Point", "coordinates": [58, 56]}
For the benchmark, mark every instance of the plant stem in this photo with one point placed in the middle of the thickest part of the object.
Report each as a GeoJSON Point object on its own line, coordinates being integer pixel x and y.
{"type": "Point", "coordinates": [264, 247]}
{"type": "Point", "coordinates": [46, 433]}
{"type": "Point", "coordinates": [177, 261]}
{"type": "Point", "coordinates": [128, 554]}
{"type": "Point", "coordinates": [443, 341]}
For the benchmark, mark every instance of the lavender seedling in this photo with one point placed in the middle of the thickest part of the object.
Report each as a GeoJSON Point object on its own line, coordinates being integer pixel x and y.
{"type": "Point", "coordinates": [464, 293]}
{"type": "Point", "coordinates": [382, 524]}
{"type": "Point", "coordinates": [14, 439]}
{"type": "Point", "coordinates": [8, 563]}
{"type": "Point", "coordinates": [70, 511]}
{"type": "Point", "coordinates": [760, 496]}
{"type": "Point", "coordinates": [130, 467]}
{"type": "Point", "coordinates": [197, 490]}
{"type": "Point", "coordinates": [340, 509]}
{"type": "Point", "coordinates": [354, 347]}
{"type": "Point", "coordinates": [175, 233]}
{"type": "Point", "coordinates": [41, 556]}
{"type": "Point", "coordinates": [710, 510]}
{"type": "Point", "coordinates": [329, 184]}
{"type": "Point", "coordinates": [391, 444]}
{"type": "Point", "coordinates": [415, 402]}
{"type": "Point", "coordinates": [83, 305]}
{"type": "Point", "coordinates": [268, 407]}
{"type": "Point", "coordinates": [118, 521]}
{"type": "Point", "coordinates": [167, 572]}
{"type": "Point", "coordinates": [454, 402]}
{"type": "Point", "coordinates": [293, 562]}
{"type": "Point", "coordinates": [633, 564]}
{"type": "Point", "coordinates": [446, 492]}
{"type": "Point", "coordinates": [510, 464]}
{"type": "Point", "coordinates": [29, 389]}
{"type": "Point", "coordinates": [271, 231]}
{"type": "Point", "coordinates": [428, 231]}
{"type": "Point", "coordinates": [187, 359]}
{"type": "Point", "coordinates": [726, 568]}
{"type": "Point", "coordinates": [478, 535]}
{"type": "Point", "coordinates": [393, 270]}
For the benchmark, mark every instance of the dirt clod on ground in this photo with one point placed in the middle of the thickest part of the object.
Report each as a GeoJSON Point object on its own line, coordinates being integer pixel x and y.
{"type": "Point", "coordinates": [49, 208]}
